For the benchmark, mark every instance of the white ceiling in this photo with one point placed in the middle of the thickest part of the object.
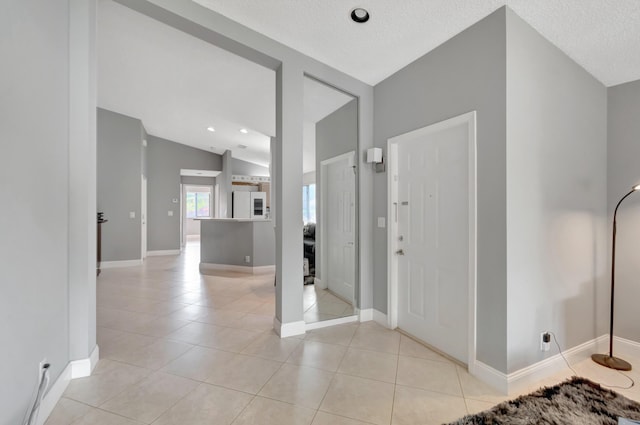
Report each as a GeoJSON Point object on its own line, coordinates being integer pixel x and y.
{"type": "Point", "coordinates": [601, 35]}
{"type": "Point", "coordinates": [179, 85]}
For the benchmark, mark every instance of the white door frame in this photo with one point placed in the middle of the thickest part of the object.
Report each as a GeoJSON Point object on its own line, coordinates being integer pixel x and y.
{"type": "Point", "coordinates": [350, 157]}
{"type": "Point", "coordinates": [143, 217]}
{"type": "Point", "coordinates": [392, 229]}
{"type": "Point", "coordinates": [183, 208]}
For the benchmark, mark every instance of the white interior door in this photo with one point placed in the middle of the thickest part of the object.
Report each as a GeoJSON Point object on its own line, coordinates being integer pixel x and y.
{"type": "Point", "coordinates": [432, 235]}
{"type": "Point", "coordinates": [143, 218]}
{"type": "Point", "coordinates": [339, 187]}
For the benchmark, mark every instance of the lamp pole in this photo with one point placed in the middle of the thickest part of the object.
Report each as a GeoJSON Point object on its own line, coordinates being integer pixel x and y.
{"type": "Point", "coordinates": [602, 359]}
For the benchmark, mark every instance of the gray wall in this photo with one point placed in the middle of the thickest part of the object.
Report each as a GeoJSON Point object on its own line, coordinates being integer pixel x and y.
{"type": "Point", "coordinates": [165, 159]}
{"type": "Point", "coordinates": [336, 134]}
{"type": "Point", "coordinates": [245, 168]}
{"type": "Point", "coordinates": [624, 172]}
{"type": "Point", "coordinates": [228, 242]}
{"type": "Point", "coordinates": [556, 195]}
{"type": "Point", "coordinates": [34, 131]}
{"type": "Point", "coordinates": [464, 74]}
{"type": "Point", "coordinates": [119, 169]}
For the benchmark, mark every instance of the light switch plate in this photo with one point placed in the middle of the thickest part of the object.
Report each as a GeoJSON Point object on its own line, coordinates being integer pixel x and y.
{"type": "Point", "coordinates": [174, 200]}
{"type": "Point", "coordinates": [382, 222]}
{"type": "Point", "coordinates": [170, 213]}
{"type": "Point", "coordinates": [132, 214]}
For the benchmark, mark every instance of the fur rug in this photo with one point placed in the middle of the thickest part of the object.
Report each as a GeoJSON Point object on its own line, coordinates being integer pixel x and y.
{"type": "Point", "coordinates": [576, 401]}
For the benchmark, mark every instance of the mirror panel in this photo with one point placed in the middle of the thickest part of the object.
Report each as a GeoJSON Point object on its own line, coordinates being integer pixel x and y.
{"type": "Point", "coordinates": [329, 202]}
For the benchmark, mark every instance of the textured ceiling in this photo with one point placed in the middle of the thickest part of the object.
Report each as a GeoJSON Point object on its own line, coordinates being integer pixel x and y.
{"type": "Point", "coordinates": [601, 35]}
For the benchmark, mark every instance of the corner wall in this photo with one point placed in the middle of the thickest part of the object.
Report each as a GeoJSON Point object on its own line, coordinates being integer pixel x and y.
{"type": "Point", "coordinates": [464, 74]}
{"type": "Point", "coordinates": [556, 196]}
{"type": "Point", "coordinates": [34, 134]}
{"type": "Point", "coordinates": [623, 171]}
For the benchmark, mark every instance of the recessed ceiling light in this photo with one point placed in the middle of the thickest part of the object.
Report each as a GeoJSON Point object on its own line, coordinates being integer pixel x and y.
{"type": "Point", "coordinates": [211, 129]}
{"type": "Point", "coordinates": [244, 131]}
{"type": "Point", "coordinates": [359, 15]}
{"type": "Point", "coordinates": [242, 146]}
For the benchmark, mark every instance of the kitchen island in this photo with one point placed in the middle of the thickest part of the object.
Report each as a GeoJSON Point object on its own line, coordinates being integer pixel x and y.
{"type": "Point", "coordinates": [242, 245]}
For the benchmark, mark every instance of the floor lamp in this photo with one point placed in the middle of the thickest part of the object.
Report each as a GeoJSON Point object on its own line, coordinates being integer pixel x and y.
{"type": "Point", "coordinates": [603, 359]}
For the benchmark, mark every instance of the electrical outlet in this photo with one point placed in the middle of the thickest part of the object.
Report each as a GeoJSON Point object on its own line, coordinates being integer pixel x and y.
{"type": "Point", "coordinates": [41, 368]}
{"type": "Point", "coordinates": [545, 341]}
{"type": "Point", "coordinates": [247, 259]}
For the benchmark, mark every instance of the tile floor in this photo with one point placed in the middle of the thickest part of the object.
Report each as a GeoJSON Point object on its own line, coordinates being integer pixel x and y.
{"type": "Point", "coordinates": [181, 348]}
{"type": "Point", "coordinates": [320, 304]}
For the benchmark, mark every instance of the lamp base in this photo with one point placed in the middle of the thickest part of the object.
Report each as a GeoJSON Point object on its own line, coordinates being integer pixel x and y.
{"type": "Point", "coordinates": [611, 362]}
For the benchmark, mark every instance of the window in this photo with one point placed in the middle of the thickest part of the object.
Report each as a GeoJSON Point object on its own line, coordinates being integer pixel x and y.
{"type": "Point", "coordinates": [309, 203]}
{"type": "Point", "coordinates": [198, 204]}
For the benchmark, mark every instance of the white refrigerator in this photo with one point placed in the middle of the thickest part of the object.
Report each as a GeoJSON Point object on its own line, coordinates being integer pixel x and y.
{"type": "Point", "coordinates": [249, 204]}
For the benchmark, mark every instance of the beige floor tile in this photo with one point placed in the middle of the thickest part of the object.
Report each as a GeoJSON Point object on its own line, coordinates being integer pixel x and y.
{"type": "Point", "coordinates": [108, 380]}
{"type": "Point", "coordinates": [376, 340]}
{"type": "Point", "coordinates": [105, 335]}
{"type": "Point", "coordinates": [243, 373]}
{"type": "Point", "coordinates": [428, 375]}
{"type": "Point", "coordinates": [414, 406]}
{"type": "Point", "coordinates": [411, 348]}
{"type": "Point", "coordinates": [151, 397]}
{"type": "Point", "coordinates": [266, 309]}
{"type": "Point", "coordinates": [477, 406]}
{"type": "Point", "coordinates": [272, 412]}
{"type": "Point", "coordinates": [220, 317]}
{"type": "Point", "coordinates": [124, 344]}
{"type": "Point", "coordinates": [156, 355]}
{"type": "Point", "coordinates": [195, 333]}
{"type": "Point", "coordinates": [339, 335]}
{"type": "Point", "coordinates": [242, 305]}
{"type": "Point", "coordinates": [232, 339]}
{"type": "Point", "coordinates": [159, 326]}
{"type": "Point", "coordinates": [254, 322]}
{"type": "Point", "coordinates": [198, 363]}
{"type": "Point", "coordinates": [67, 411]}
{"type": "Point", "coordinates": [270, 346]}
{"type": "Point", "coordinates": [299, 385]}
{"type": "Point", "coordinates": [359, 398]}
{"type": "Point", "coordinates": [473, 388]}
{"type": "Point", "coordinates": [323, 418]}
{"type": "Point", "coordinates": [100, 417]}
{"type": "Point", "coordinates": [207, 405]}
{"type": "Point", "coordinates": [319, 355]}
{"type": "Point", "coordinates": [370, 364]}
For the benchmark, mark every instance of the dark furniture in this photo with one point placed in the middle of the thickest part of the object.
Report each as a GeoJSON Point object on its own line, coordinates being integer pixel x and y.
{"type": "Point", "coordinates": [99, 242]}
{"type": "Point", "coordinates": [309, 250]}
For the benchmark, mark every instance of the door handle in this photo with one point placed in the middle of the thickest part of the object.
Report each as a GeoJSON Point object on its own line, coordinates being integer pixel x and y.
{"type": "Point", "coordinates": [400, 252]}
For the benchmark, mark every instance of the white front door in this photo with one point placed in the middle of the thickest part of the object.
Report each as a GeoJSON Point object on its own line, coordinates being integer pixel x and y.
{"type": "Point", "coordinates": [432, 235]}
{"type": "Point", "coordinates": [338, 216]}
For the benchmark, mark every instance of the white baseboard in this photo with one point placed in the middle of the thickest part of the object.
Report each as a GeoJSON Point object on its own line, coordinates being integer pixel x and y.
{"type": "Point", "coordinates": [239, 269]}
{"type": "Point", "coordinates": [163, 252]}
{"type": "Point", "coordinates": [84, 367]}
{"type": "Point", "coordinates": [74, 369]}
{"type": "Point", "coordinates": [521, 379]}
{"type": "Point", "coordinates": [318, 283]}
{"type": "Point", "coordinates": [122, 263]}
{"type": "Point", "coordinates": [622, 347]}
{"type": "Point", "coordinates": [366, 315]}
{"type": "Point", "coordinates": [285, 330]}
{"type": "Point", "coordinates": [380, 318]}
{"type": "Point", "coordinates": [331, 322]}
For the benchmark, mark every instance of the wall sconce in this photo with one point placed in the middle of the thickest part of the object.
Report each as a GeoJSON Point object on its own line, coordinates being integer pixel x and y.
{"type": "Point", "coordinates": [374, 156]}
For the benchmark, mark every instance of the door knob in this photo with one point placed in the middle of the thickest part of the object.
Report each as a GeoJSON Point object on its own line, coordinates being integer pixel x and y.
{"type": "Point", "coordinates": [400, 252]}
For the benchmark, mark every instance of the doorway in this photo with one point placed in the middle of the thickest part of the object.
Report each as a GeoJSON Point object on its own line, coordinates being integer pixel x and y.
{"type": "Point", "coordinates": [432, 235]}
{"type": "Point", "coordinates": [197, 204]}
{"type": "Point", "coordinates": [143, 217]}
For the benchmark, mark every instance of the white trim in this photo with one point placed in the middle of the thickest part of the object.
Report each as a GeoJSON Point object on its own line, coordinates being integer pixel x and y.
{"type": "Point", "coordinates": [380, 318]}
{"type": "Point", "coordinates": [239, 269]}
{"type": "Point", "coordinates": [84, 367]}
{"type": "Point", "coordinates": [366, 315]}
{"type": "Point", "coordinates": [121, 263]}
{"type": "Point", "coordinates": [392, 228]}
{"type": "Point", "coordinates": [163, 252]}
{"type": "Point", "coordinates": [492, 377]}
{"type": "Point", "coordinates": [285, 330]}
{"type": "Point", "coordinates": [74, 369]}
{"type": "Point", "coordinates": [331, 322]}
{"type": "Point", "coordinates": [621, 347]}
{"type": "Point", "coordinates": [52, 397]}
